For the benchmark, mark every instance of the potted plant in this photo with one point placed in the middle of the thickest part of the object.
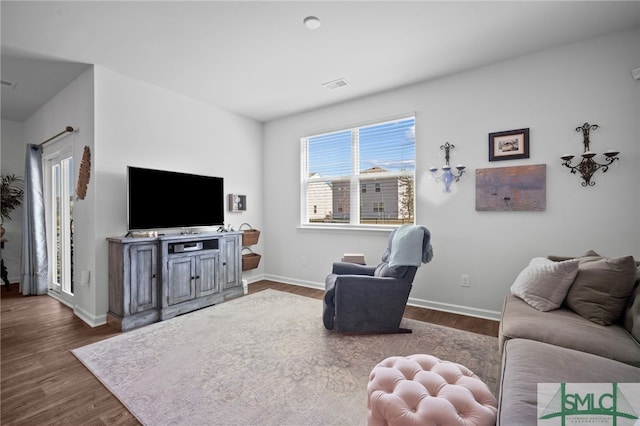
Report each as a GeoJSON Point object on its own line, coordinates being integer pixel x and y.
{"type": "Point", "coordinates": [11, 191]}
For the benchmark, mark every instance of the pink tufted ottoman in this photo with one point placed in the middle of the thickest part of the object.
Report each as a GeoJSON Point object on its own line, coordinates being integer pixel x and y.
{"type": "Point", "coordinates": [424, 390]}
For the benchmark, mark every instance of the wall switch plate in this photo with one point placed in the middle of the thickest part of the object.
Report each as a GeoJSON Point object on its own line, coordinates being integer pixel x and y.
{"type": "Point", "coordinates": [464, 280]}
{"type": "Point", "coordinates": [85, 278]}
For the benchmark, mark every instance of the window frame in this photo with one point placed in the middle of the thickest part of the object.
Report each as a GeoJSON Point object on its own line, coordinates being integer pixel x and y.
{"type": "Point", "coordinates": [355, 220]}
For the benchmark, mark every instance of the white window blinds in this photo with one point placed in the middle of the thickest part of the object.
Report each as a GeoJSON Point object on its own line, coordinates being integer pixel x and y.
{"type": "Point", "coordinates": [359, 176]}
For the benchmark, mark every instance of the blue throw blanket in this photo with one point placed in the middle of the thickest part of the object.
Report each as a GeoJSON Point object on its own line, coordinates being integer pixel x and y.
{"type": "Point", "coordinates": [406, 246]}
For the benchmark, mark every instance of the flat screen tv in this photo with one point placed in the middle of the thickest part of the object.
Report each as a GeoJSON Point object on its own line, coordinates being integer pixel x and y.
{"type": "Point", "coordinates": [165, 199]}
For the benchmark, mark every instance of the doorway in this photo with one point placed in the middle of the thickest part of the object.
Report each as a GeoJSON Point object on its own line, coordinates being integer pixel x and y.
{"type": "Point", "coordinates": [59, 199]}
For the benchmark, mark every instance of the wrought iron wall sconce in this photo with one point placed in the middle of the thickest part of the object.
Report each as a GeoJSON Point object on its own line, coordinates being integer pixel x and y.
{"type": "Point", "coordinates": [447, 176]}
{"type": "Point", "coordinates": [588, 166]}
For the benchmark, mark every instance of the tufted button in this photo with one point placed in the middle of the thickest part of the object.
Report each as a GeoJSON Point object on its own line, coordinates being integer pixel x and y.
{"type": "Point", "coordinates": [422, 389]}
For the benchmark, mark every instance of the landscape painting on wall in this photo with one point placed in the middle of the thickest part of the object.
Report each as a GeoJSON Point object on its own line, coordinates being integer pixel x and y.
{"type": "Point", "coordinates": [509, 145]}
{"type": "Point", "coordinates": [519, 188]}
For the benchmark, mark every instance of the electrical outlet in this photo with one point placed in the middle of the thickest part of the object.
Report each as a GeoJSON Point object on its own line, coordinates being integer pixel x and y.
{"type": "Point", "coordinates": [464, 280]}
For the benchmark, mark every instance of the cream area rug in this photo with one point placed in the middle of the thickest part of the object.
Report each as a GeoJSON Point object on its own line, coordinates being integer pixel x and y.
{"type": "Point", "coordinates": [264, 359]}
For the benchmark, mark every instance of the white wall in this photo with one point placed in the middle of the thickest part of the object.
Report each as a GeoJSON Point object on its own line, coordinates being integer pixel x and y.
{"type": "Point", "coordinates": [551, 92]}
{"type": "Point", "coordinates": [73, 106]}
{"type": "Point", "coordinates": [12, 159]}
{"type": "Point", "coordinates": [129, 122]}
{"type": "Point", "coordinates": [143, 125]}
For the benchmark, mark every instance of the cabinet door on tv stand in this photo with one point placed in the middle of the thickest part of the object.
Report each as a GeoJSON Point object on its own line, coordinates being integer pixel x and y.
{"type": "Point", "coordinates": [144, 285]}
{"type": "Point", "coordinates": [182, 279]}
{"type": "Point", "coordinates": [232, 261]}
{"type": "Point", "coordinates": [206, 266]}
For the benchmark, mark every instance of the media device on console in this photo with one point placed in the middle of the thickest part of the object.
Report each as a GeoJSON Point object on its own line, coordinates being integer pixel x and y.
{"type": "Point", "coordinates": [166, 199]}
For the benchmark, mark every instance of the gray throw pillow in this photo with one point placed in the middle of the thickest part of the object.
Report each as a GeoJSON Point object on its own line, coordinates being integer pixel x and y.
{"type": "Point", "coordinates": [602, 287]}
{"type": "Point", "coordinates": [631, 314]}
{"type": "Point", "coordinates": [543, 284]}
{"type": "Point", "coordinates": [556, 258]}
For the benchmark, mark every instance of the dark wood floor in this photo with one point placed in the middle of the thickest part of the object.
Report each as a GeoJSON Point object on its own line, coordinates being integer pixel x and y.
{"type": "Point", "coordinates": [462, 322]}
{"type": "Point", "coordinates": [42, 383]}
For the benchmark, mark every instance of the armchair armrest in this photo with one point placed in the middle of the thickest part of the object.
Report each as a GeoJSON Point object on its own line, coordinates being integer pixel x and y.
{"type": "Point", "coordinates": [346, 268]}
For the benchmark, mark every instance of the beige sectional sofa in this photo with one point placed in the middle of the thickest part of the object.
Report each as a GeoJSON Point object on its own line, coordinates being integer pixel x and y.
{"type": "Point", "coordinates": [585, 332]}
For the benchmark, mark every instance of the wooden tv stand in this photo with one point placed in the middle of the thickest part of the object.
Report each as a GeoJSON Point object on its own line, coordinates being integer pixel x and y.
{"type": "Point", "coordinates": [156, 278]}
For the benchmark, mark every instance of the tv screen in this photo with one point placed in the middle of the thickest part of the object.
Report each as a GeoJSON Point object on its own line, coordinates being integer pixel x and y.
{"type": "Point", "coordinates": [166, 199]}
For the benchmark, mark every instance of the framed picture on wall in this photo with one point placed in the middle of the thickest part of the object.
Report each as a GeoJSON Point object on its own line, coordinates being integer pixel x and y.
{"type": "Point", "coordinates": [237, 203]}
{"type": "Point", "coordinates": [509, 145]}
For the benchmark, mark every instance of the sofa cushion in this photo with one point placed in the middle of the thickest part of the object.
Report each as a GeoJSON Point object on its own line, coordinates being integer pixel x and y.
{"type": "Point", "coordinates": [563, 327]}
{"type": "Point", "coordinates": [631, 315]}
{"type": "Point", "coordinates": [526, 363]}
{"type": "Point", "coordinates": [544, 283]}
{"type": "Point", "coordinates": [602, 288]}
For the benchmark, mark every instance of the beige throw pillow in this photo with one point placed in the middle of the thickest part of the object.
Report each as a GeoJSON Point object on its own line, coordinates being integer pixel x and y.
{"type": "Point", "coordinates": [543, 284]}
{"type": "Point", "coordinates": [602, 287]}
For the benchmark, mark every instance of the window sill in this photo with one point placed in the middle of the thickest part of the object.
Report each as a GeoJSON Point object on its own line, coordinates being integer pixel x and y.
{"type": "Point", "coordinates": [348, 228]}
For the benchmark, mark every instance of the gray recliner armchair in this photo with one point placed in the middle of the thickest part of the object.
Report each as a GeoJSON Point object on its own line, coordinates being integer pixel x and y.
{"type": "Point", "coordinates": [363, 299]}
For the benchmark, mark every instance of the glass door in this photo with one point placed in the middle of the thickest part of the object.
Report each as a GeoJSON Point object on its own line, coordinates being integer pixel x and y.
{"type": "Point", "coordinates": [59, 196]}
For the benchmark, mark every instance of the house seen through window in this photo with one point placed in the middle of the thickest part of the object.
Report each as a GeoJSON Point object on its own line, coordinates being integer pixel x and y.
{"type": "Point", "coordinates": [360, 176]}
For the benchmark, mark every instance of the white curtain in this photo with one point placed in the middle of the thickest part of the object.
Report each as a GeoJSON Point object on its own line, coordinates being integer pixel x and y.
{"type": "Point", "coordinates": [35, 278]}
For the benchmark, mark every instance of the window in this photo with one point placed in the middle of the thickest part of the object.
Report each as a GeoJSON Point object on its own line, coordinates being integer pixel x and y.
{"type": "Point", "coordinates": [339, 167]}
{"type": "Point", "coordinates": [60, 195]}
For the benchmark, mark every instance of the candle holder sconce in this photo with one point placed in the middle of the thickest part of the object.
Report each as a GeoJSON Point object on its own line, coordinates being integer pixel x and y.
{"type": "Point", "coordinates": [588, 166]}
{"type": "Point", "coordinates": [447, 177]}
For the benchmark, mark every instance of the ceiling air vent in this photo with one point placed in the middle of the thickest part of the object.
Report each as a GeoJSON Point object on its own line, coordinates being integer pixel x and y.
{"type": "Point", "coordinates": [7, 84]}
{"type": "Point", "coordinates": [335, 84]}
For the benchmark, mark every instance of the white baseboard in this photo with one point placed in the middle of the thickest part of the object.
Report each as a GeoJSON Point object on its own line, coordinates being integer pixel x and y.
{"type": "Point", "coordinates": [254, 278]}
{"type": "Point", "coordinates": [91, 320]}
{"type": "Point", "coordinates": [54, 295]}
{"type": "Point", "coordinates": [421, 303]}
{"type": "Point", "coordinates": [95, 321]}
{"type": "Point", "coordinates": [286, 280]}
{"type": "Point", "coordinates": [455, 309]}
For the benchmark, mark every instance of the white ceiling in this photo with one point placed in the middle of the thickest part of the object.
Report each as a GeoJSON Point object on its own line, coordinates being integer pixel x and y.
{"type": "Point", "coordinates": [259, 60]}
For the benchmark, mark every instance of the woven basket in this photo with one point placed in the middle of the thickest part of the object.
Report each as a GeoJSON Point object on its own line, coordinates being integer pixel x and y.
{"type": "Point", "coordinates": [249, 236]}
{"type": "Point", "coordinates": [250, 260]}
